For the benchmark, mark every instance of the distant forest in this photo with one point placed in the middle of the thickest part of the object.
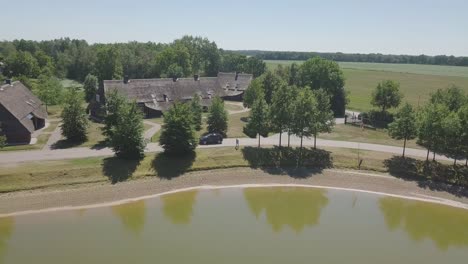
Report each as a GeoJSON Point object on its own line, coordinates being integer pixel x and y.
{"type": "Point", "coordinates": [357, 57]}
{"type": "Point", "coordinates": [75, 59]}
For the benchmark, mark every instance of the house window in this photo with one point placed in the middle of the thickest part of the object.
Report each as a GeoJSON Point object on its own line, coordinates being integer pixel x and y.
{"type": "Point", "coordinates": [98, 99]}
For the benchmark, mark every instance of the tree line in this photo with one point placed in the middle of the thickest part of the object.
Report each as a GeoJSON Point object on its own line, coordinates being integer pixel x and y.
{"type": "Point", "coordinates": [440, 125]}
{"type": "Point", "coordinates": [75, 59]}
{"type": "Point", "coordinates": [358, 57]}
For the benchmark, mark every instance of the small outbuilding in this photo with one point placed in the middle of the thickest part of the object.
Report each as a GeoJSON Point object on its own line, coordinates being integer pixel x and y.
{"type": "Point", "coordinates": [21, 112]}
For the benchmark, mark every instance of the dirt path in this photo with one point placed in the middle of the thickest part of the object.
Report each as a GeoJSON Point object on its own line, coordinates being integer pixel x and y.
{"type": "Point", "coordinates": [55, 136]}
{"type": "Point", "coordinates": [106, 193]}
{"type": "Point", "coordinates": [150, 132]}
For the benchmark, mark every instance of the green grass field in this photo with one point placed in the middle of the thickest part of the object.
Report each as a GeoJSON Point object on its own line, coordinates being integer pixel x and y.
{"type": "Point", "coordinates": [417, 81]}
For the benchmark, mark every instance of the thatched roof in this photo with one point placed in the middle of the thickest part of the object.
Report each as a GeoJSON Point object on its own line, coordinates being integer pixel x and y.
{"type": "Point", "coordinates": [160, 93]}
{"type": "Point", "coordinates": [21, 103]}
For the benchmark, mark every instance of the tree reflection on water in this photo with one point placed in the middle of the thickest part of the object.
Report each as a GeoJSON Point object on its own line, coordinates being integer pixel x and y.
{"type": "Point", "coordinates": [178, 207]}
{"type": "Point", "coordinates": [446, 226]}
{"type": "Point", "coordinates": [286, 206]}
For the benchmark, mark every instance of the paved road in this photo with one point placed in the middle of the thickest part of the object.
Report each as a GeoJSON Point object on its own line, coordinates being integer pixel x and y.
{"type": "Point", "coordinates": [59, 154]}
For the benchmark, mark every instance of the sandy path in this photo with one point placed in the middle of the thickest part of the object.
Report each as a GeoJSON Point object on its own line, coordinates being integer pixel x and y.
{"type": "Point", "coordinates": [105, 192]}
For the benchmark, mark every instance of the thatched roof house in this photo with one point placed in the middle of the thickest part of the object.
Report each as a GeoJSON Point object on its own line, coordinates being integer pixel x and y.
{"type": "Point", "coordinates": [157, 95]}
{"type": "Point", "coordinates": [21, 112]}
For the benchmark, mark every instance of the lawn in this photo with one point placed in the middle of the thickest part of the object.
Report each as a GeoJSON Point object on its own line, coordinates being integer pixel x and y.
{"type": "Point", "coordinates": [95, 138]}
{"type": "Point", "coordinates": [58, 174]}
{"type": "Point", "coordinates": [417, 81]}
{"type": "Point", "coordinates": [357, 134]}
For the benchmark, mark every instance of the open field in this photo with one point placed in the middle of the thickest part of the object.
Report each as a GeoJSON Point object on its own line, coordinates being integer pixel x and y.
{"type": "Point", "coordinates": [362, 78]}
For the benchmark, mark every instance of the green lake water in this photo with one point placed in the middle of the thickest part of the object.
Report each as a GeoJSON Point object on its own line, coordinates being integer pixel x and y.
{"type": "Point", "coordinates": [243, 225]}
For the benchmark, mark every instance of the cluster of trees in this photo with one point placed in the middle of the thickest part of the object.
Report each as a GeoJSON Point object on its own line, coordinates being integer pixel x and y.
{"type": "Point", "coordinates": [299, 111]}
{"type": "Point", "coordinates": [75, 59]}
{"type": "Point", "coordinates": [315, 74]}
{"type": "Point", "coordinates": [178, 135]}
{"type": "Point", "coordinates": [2, 138]}
{"type": "Point", "coordinates": [123, 124]}
{"type": "Point", "coordinates": [441, 125]}
{"type": "Point", "coordinates": [357, 57]}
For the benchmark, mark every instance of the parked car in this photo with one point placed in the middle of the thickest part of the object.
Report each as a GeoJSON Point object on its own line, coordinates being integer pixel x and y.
{"type": "Point", "coordinates": [212, 138]}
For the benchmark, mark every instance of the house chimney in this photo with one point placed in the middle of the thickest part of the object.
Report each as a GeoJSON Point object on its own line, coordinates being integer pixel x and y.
{"type": "Point", "coordinates": [237, 75]}
{"type": "Point", "coordinates": [8, 81]}
{"type": "Point", "coordinates": [126, 79]}
{"type": "Point", "coordinates": [195, 77]}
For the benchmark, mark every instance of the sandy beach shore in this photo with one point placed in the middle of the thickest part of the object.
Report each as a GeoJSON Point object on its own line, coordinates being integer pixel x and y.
{"type": "Point", "coordinates": [104, 193]}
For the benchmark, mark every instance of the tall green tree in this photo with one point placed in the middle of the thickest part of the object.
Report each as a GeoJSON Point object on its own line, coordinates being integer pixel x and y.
{"type": "Point", "coordinates": [323, 116]}
{"type": "Point", "coordinates": [217, 117]}
{"type": "Point", "coordinates": [114, 104]}
{"type": "Point", "coordinates": [196, 110]}
{"type": "Point", "coordinates": [453, 97]}
{"type": "Point", "coordinates": [90, 86]}
{"type": "Point", "coordinates": [49, 90]}
{"type": "Point", "coordinates": [127, 134]}
{"type": "Point", "coordinates": [22, 63]}
{"type": "Point", "coordinates": [463, 115]}
{"type": "Point", "coordinates": [281, 109]}
{"type": "Point", "coordinates": [258, 120]}
{"type": "Point", "coordinates": [74, 120]}
{"type": "Point", "coordinates": [178, 135]}
{"type": "Point", "coordinates": [318, 73]}
{"type": "Point", "coordinates": [387, 95]}
{"type": "Point", "coordinates": [304, 114]}
{"type": "Point", "coordinates": [452, 137]}
{"type": "Point", "coordinates": [253, 92]}
{"type": "Point", "coordinates": [270, 83]}
{"type": "Point", "coordinates": [430, 129]}
{"type": "Point", "coordinates": [404, 126]}
{"type": "Point", "coordinates": [108, 64]}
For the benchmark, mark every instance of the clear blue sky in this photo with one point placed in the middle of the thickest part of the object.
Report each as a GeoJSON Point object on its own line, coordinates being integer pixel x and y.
{"type": "Point", "coordinates": [390, 27]}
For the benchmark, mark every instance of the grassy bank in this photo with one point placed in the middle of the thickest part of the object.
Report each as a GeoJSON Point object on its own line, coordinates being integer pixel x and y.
{"type": "Point", "coordinates": [60, 174]}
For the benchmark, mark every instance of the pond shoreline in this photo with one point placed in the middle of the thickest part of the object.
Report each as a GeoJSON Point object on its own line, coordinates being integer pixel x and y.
{"type": "Point", "coordinates": [99, 195]}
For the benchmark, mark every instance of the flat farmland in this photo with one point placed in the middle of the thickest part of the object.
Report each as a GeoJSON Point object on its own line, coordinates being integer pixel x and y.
{"type": "Point", "coordinates": [417, 81]}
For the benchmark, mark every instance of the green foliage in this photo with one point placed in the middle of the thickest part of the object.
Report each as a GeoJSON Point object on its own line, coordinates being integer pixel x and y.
{"type": "Point", "coordinates": [453, 97]}
{"type": "Point", "coordinates": [175, 71]}
{"type": "Point", "coordinates": [49, 90]}
{"type": "Point", "coordinates": [108, 64]}
{"type": "Point", "coordinates": [281, 109]}
{"type": "Point", "coordinates": [304, 115]}
{"type": "Point", "coordinates": [463, 116]}
{"type": "Point", "coordinates": [231, 62]}
{"type": "Point", "coordinates": [258, 120]}
{"type": "Point", "coordinates": [404, 127]}
{"type": "Point", "coordinates": [323, 116]}
{"type": "Point", "coordinates": [387, 95]}
{"type": "Point", "coordinates": [114, 104]}
{"type": "Point", "coordinates": [90, 86]}
{"type": "Point", "coordinates": [22, 63]}
{"type": "Point", "coordinates": [270, 82]}
{"type": "Point", "coordinates": [175, 58]}
{"type": "Point", "coordinates": [196, 112]}
{"type": "Point", "coordinates": [178, 135]}
{"type": "Point", "coordinates": [217, 117]}
{"type": "Point", "coordinates": [318, 73]}
{"type": "Point", "coordinates": [452, 136]}
{"type": "Point", "coordinates": [253, 92]}
{"type": "Point", "coordinates": [127, 134]}
{"type": "Point", "coordinates": [430, 126]}
{"type": "Point", "coordinates": [74, 120]}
